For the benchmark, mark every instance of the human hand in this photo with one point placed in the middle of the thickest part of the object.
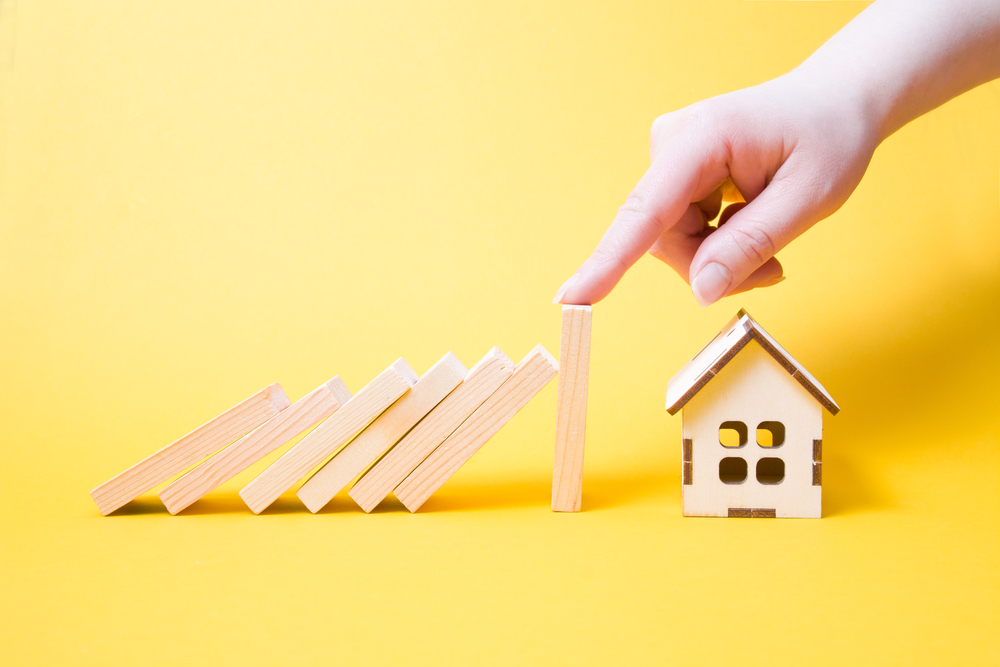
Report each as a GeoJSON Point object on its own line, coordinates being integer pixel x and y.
{"type": "Point", "coordinates": [795, 147]}
{"type": "Point", "coordinates": [793, 150]}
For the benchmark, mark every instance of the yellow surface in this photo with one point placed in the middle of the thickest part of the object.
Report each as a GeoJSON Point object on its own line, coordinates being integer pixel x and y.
{"type": "Point", "coordinates": [199, 199]}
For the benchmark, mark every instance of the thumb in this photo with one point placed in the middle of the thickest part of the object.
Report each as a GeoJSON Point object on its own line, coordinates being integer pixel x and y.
{"type": "Point", "coordinates": [726, 258]}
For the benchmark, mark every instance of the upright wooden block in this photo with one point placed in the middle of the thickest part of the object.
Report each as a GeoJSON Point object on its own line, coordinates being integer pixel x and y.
{"type": "Point", "coordinates": [306, 412]}
{"type": "Point", "coordinates": [185, 452]}
{"type": "Point", "coordinates": [533, 372]}
{"type": "Point", "coordinates": [571, 409]}
{"type": "Point", "coordinates": [485, 378]}
{"type": "Point", "coordinates": [382, 433]}
{"type": "Point", "coordinates": [329, 436]}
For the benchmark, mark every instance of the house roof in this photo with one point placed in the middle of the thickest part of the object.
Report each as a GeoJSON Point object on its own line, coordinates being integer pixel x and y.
{"type": "Point", "coordinates": [738, 333]}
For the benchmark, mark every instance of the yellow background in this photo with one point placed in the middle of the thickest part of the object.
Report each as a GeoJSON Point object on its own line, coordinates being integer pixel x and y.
{"type": "Point", "coordinates": [199, 199]}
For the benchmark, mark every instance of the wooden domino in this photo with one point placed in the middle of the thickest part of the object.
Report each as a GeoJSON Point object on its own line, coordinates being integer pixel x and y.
{"type": "Point", "coordinates": [533, 372]}
{"type": "Point", "coordinates": [188, 450]}
{"type": "Point", "coordinates": [485, 378]}
{"type": "Point", "coordinates": [329, 436]}
{"type": "Point", "coordinates": [571, 409]}
{"type": "Point", "coordinates": [382, 433]}
{"type": "Point", "coordinates": [305, 413]}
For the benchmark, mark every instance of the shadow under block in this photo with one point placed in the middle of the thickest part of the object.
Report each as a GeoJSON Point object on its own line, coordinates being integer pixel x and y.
{"type": "Point", "coordinates": [533, 372]}
{"type": "Point", "coordinates": [382, 433]}
{"type": "Point", "coordinates": [306, 412]}
{"type": "Point", "coordinates": [329, 436]}
{"type": "Point", "coordinates": [485, 378]}
{"type": "Point", "coordinates": [571, 409]}
{"type": "Point", "coordinates": [196, 445]}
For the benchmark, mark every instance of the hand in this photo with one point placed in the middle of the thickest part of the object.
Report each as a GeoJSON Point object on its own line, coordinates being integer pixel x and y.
{"type": "Point", "coordinates": [795, 147]}
{"type": "Point", "coordinates": [795, 153]}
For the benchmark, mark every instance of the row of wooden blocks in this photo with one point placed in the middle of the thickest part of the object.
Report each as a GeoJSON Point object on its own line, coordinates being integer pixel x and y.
{"type": "Point", "coordinates": [399, 435]}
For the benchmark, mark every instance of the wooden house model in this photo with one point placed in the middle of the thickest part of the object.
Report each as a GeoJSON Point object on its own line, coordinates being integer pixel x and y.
{"type": "Point", "coordinates": [752, 428]}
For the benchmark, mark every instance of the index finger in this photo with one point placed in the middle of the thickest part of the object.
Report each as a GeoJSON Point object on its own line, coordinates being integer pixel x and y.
{"type": "Point", "coordinates": [655, 204]}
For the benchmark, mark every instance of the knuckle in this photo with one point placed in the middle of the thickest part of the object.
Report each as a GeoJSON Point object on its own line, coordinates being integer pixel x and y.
{"type": "Point", "coordinates": [754, 242]}
{"type": "Point", "coordinates": [636, 204]}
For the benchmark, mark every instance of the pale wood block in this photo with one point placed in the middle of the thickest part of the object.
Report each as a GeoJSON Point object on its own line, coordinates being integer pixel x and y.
{"type": "Point", "coordinates": [533, 372]}
{"type": "Point", "coordinates": [485, 378]}
{"type": "Point", "coordinates": [305, 413]}
{"type": "Point", "coordinates": [571, 409]}
{"type": "Point", "coordinates": [329, 436]}
{"type": "Point", "coordinates": [185, 452]}
{"type": "Point", "coordinates": [382, 433]}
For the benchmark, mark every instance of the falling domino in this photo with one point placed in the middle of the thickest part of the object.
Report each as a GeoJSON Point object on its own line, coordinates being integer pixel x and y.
{"type": "Point", "coordinates": [329, 436]}
{"type": "Point", "coordinates": [382, 433]}
{"type": "Point", "coordinates": [571, 409]}
{"type": "Point", "coordinates": [533, 372]}
{"type": "Point", "coordinates": [485, 378]}
{"type": "Point", "coordinates": [306, 412]}
{"type": "Point", "coordinates": [196, 445]}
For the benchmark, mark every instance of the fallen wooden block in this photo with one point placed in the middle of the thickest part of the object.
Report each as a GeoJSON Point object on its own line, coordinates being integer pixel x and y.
{"type": "Point", "coordinates": [532, 373]}
{"type": "Point", "coordinates": [306, 412]}
{"type": "Point", "coordinates": [382, 433]}
{"type": "Point", "coordinates": [185, 452]}
{"type": "Point", "coordinates": [571, 409]}
{"type": "Point", "coordinates": [485, 378]}
{"type": "Point", "coordinates": [329, 436]}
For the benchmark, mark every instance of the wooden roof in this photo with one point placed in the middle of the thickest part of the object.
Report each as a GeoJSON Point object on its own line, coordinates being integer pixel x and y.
{"type": "Point", "coordinates": [738, 333]}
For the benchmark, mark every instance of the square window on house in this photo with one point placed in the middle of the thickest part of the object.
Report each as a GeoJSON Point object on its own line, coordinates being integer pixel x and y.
{"type": "Point", "coordinates": [733, 434]}
{"type": "Point", "coordinates": [733, 470]}
{"type": "Point", "coordinates": [770, 470]}
{"type": "Point", "coordinates": [770, 434]}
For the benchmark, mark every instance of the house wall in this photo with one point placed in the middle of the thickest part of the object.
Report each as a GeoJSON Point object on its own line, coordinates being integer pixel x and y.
{"type": "Point", "coordinates": [753, 388]}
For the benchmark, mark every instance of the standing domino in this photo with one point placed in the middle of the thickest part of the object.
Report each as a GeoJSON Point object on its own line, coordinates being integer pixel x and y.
{"type": "Point", "coordinates": [571, 409]}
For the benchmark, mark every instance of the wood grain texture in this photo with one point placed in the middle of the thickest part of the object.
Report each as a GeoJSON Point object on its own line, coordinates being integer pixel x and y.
{"type": "Point", "coordinates": [188, 450]}
{"type": "Point", "coordinates": [382, 433]}
{"type": "Point", "coordinates": [533, 372]}
{"type": "Point", "coordinates": [753, 389]}
{"type": "Point", "coordinates": [571, 409]}
{"type": "Point", "coordinates": [329, 436]}
{"type": "Point", "coordinates": [485, 378]}
{"type": "Point", "coordinates": [305, 413]}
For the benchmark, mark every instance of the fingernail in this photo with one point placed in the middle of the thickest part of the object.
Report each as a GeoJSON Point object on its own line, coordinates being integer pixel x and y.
{"type": "Point", "coordinates": [711, 283]}
{"type": "Point", "coordinates": [772, 282]}
{"type": "Point", "coordinates": [566, 285]}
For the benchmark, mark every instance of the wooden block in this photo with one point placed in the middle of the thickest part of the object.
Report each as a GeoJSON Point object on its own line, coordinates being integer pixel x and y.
{"type": "Point", "coordinates": [382, 433]}
{"type": "Point", "coordinates": [306, 412]}
{"type": "Point", "coordinates": [485, 378]}
{"type": "Point", "coordinates": [185, 452]}
{"type": "Point", "coordinates": [740, 513]}
{"type": "Point", "coordinates": [329, 436]}
{"type": "Point", "coordinates": [817, 451]}
{"type": "Point", "coordinates": [535, 371]}
{"type": "Point", "coordinates": [571, 409]}
{"type": "Point", "coordinates": [763, 513]}
{"type": "Point", "coordinates": [817, 474]}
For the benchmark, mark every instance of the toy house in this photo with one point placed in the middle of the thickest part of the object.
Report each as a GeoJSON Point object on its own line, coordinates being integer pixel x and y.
{"type": "Point", "coordinates": [752, 428]}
